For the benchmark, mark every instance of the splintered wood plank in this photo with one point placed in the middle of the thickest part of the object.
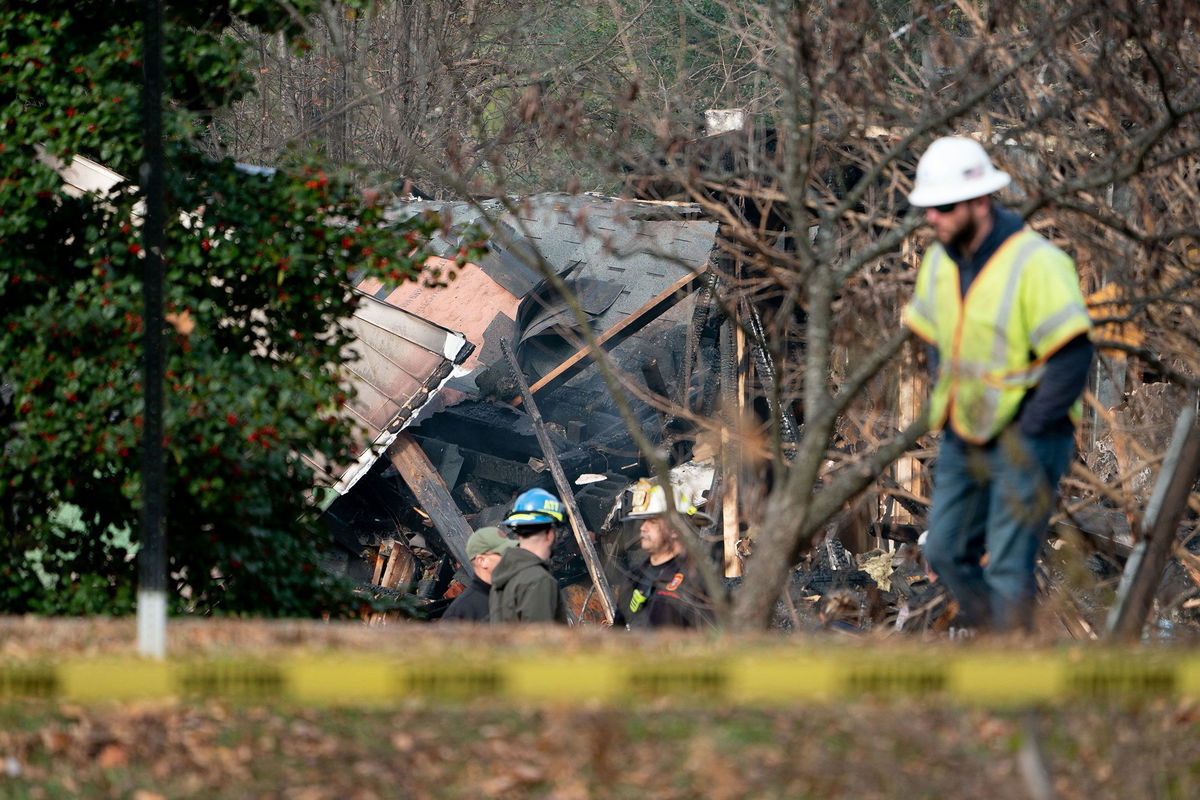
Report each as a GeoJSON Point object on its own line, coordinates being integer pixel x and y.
{"type": "Point", "coordinates": [1144, 569]}
{"type": "Point", "coordinates": [400, 567]}
{"type": "Point", "coordinates": [378, 561]}
{"type": "Point", "coordinates": [432, 493]}
{"type": "Point", "coordinates": [733, 389]}
{"type": "Point", "coordinates": [908, 468]}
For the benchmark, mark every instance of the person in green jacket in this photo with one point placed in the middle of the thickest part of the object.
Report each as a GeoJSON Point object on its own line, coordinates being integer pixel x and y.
{"type": "Point", "coordinates": [523, 590]}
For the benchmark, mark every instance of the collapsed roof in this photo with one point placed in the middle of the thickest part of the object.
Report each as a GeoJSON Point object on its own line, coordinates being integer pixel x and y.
{"type": "Point", "coordinates": [631, 266]}
{"type": "Point", "coordinates": [616, 256]}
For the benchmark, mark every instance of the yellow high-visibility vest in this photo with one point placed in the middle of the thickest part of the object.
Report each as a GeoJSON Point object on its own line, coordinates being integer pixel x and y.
{"type": "Point", "coordinates": [1024, 304]}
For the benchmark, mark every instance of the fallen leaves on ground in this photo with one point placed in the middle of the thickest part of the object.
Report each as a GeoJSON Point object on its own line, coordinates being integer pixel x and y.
{"type": "Point", "coordinates": [866, 748]}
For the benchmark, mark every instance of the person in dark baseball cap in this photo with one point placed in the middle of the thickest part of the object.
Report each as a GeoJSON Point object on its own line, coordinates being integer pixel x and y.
{"type": "Point", "coordinates": [484, 547]}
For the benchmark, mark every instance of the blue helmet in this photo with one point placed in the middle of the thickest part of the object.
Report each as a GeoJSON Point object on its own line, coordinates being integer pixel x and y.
{"type": "Point", "coordinates": [534, 509]}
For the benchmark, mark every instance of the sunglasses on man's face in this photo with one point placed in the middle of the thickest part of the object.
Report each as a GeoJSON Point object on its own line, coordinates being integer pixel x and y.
{"type": "Point", "coordinates": [946, 208]}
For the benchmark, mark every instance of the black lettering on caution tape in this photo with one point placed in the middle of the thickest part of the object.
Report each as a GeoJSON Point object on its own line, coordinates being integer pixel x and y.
{"type": "Point", "coordinates": [700, 680]}
{"type": "Point", "coordinates": [1117, 679]}
{"type": "Point", "coordinates": [455, 681]}
{"type": "Point", "coordinates": [28, 681]}
{"type": "Point", "coordinates": [232, 680]}
{"type": "Point", "coordinates": [898, 679]}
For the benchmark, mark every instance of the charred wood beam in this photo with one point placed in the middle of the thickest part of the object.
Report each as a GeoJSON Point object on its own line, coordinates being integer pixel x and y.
{"type": "Point", "coordinates": [586, 548]}
{"type": "Point", "coordinates": [495, 428]}
{"type": "Point", "coordinates": [654, 381]}
{"type": "Point", "coordinates": [703, 315]}
{"type": "Point", "coordinates": [434, 496]}
{"type": "Point", "coordinates": [896, 531]}
{"type": "Point", "coordinates": [615, 335]}
{"type": "Point", "coordinates": [914, 504]}
{"type": "Point", "coordinates": [474, 495]}
{"type": "Point", "coordinates": [483, 466]}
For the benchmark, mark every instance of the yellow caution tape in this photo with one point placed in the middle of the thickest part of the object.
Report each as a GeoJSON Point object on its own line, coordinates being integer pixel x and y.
{"type": "Point", "coordinates": [757, 677]}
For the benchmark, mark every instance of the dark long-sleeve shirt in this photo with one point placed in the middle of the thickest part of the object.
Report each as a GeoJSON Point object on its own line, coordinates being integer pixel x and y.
{"type": "Point", "coordinates": [671, 594]}
{"type": "Point", "coordinates": [472, 604]}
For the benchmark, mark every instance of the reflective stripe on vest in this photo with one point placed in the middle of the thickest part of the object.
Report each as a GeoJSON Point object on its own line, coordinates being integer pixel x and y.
{"type": "Point", "coordinates": [984, 340]}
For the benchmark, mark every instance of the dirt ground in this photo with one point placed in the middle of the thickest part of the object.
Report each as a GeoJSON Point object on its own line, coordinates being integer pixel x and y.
{"type": "Point", "coordinates": [867, 748]}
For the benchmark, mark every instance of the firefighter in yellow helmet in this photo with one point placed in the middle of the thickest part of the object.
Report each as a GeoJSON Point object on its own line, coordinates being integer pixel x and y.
{"type": "Point", "coordinates": [663, 589]}
{"type": "Point", "coordinates": [1002, 311]}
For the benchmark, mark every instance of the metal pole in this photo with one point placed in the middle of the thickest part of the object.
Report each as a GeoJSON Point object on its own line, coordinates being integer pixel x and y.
{"type": "Point", "coordinates": [152, 555]}
{"type": "Point", "coordinates": [1143, 570]}
{"type": "Point", "coordinates": [586, 548]}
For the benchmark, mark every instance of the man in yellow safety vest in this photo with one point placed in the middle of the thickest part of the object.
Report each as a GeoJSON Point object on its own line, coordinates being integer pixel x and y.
{"type": "Point", "coordinates": [1008, 331]}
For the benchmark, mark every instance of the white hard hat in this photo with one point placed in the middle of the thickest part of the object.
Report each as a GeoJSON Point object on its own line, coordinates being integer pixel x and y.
{"type": "Point", "coordinates": [954, 169]}
{"type": "Point", "coordinates": [647, 499]}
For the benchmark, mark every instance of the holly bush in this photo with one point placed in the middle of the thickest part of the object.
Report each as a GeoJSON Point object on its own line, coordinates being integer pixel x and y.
{"type": "Point", "coordinates": [256, 269]}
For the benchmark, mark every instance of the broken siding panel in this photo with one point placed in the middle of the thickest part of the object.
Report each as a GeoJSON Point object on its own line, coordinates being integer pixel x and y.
{"type": "Point", "coordinates": [397, 372]}
{"type": "Point", "coordinates": [407, 358]}
{"type": "Point", "coordinates": [395, 344]}
{"type": "Point", "coordinates": [371, 319]}
{"type": "Point", "coordinates": [370, 405]}
{"type": "Point", "coordinates": [397, 364]}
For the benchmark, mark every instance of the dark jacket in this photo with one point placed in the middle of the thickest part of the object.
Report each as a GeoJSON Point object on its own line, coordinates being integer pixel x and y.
{"type": "Point", "coordinates": [523, 590]}
{"type": "Point", "coordinates": [1045, 408]}
{"type": "Point", "coordinates": [472, 604]}
{"type": "Point", "coordinates": [670, 594]}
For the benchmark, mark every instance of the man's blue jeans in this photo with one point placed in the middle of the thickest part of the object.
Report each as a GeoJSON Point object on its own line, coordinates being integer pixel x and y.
{"type": "Point", "coordinates": [994, 498]}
